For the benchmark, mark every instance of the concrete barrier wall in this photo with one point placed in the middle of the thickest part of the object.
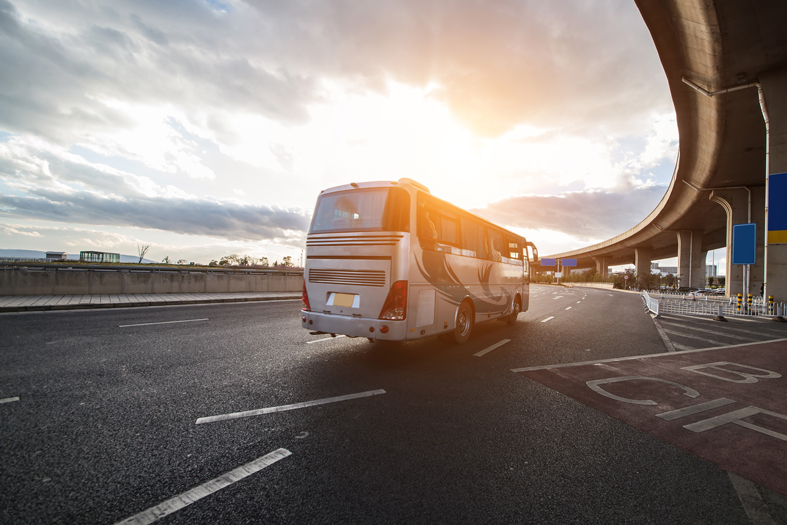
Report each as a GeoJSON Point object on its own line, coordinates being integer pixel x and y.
{"type": "Point", "coordinates": [24, 282]}
{"type": "Point", "coordinates": [608, 286]}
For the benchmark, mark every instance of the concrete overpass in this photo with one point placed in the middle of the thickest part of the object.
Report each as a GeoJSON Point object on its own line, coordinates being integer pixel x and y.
{"type": "Point", "coordinates": [732, 53]}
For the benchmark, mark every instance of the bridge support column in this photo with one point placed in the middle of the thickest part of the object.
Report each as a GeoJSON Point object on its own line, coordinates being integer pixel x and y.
{"type": "Point", "coordinates": [774, 85]}
{"type": "Point", "coordinates": [602, 268]}
{"type": "Point", "coordinates": [691, 259]}
{"type": "Point", "coordinates": [642, 264]}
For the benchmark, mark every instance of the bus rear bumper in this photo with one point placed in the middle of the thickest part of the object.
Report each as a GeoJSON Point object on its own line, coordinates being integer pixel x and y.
{"type": "Point", "coordinates": [354, 326]}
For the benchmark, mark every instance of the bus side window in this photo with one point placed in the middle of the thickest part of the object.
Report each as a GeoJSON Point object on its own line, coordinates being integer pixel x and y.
{"type": "Point", "coordinates": [427, 231]}
{"type": "Point", "coordinates": [496, 244]}
{"type": "Point", "coordinates": [514, 251]}
{"type": "Point", "coordinates": [397, 210]}
{"type": "Point", "coordinates": [449, 230]}
{"type": "Point", "coordinates": [473, 239]}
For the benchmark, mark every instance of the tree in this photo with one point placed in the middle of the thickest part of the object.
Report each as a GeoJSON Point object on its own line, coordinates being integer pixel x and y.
{"type": "Point", "coordinates": [669, 280]}
{"type": "Point", "coordinates": [183, 261]}
{"type": "Point", "coordinates": [722, 280]}
{"type": "Point", "coordinates": [263, 261]}
{"type": "Point", "coordinates": [213, 262]}
{"type": "Point", "coordinates": [142, 250]}
{"type": "Point", "coordinates": [710, 280]}
{"type": "Point", "coordinates": [165, 260]}
{"type": "Point", "coordinates": [287, 261]}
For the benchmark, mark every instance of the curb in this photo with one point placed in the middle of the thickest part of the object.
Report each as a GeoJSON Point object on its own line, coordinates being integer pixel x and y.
{"type": "Point", "coordinates": [89, 306]}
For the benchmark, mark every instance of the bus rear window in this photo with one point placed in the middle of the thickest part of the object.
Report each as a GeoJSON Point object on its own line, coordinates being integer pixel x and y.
{"type": "Point", "coordinates": [381, 209]}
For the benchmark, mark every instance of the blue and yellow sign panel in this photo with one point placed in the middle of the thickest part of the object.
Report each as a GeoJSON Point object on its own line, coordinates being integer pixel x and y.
{"type": "Point", "coordinates": [777, 208]}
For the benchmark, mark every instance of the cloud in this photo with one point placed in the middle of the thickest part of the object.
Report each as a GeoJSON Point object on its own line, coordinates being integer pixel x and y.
{"type": "Point", "coordinates": [496, 64]}
{"type": "Point", "coordinates": [585, 216]}
{"type": "Point", "coordinates": [194, 217]}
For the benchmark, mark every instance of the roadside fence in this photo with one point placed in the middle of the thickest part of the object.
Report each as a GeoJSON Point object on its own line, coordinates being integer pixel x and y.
{"type": "Point", "coordinates": [694, 304]}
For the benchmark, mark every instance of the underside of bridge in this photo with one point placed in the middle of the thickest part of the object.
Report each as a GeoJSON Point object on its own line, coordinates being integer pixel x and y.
{"type": "Point", "coordinates": [730, 52]}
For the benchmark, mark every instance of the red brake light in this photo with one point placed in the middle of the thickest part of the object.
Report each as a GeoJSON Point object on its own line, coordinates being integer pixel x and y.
{"type": "Point", "coordinates": [395, 307]}
{"type": "Point", "coordinates": [306, 307]}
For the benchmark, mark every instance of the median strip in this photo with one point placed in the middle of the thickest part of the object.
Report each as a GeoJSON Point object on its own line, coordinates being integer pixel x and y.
{"type": "Point", "coordinates": [294, 406]}
{"type": "Point", "coordinates": [154, 514]}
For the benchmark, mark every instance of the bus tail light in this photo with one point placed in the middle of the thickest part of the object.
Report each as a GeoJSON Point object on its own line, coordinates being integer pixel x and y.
{"type": "Point", "coordinates": [306, 307]}
{"type": "Point", "coordinates": [395, 307]}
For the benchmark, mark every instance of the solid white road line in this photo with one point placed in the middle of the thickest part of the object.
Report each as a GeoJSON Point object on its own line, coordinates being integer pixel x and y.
{"type": "Point", "coordinates": [324, 339]}
{"type": "Point", "coordinates": [616, 359]}
{"type": "Point", "coordinates": [270, 410]}
{"type": "Point", "coordinates": [496, 345]}
{"type": "Point", "coordinates": [668, 344]}
{"type": "Point", "coordinates": [162, 322]}
{"type": "Point", "coordinates": [756, 509]}
{"type": "Point", "coordinates": [698, 338]}
{"type": "Point", "coordinates": [547, 319]}
{"type": "Point", "coordinates": [9, 400]}
{"type": "Point", "coordinates": [715, 332]}
{"type": "Point", "coordinates": [154, 514]}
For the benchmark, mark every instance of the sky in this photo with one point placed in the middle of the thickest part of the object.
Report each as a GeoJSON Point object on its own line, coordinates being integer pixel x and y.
{"type": "Point", "coordinates": [203, 128]}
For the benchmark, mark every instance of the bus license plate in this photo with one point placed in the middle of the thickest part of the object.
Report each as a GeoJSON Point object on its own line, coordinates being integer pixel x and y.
{"type": "Point", "coordinates": [343, 299]}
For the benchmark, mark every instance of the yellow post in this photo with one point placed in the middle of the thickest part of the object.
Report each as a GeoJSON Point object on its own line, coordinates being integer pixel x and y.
{"type": "Point", "coordinates": [740, 300]}
{"type": "Point", "coordinates": [770, 304]}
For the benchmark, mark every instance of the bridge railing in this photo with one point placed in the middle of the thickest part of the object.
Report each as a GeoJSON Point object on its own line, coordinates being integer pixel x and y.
{"type": "Point", "coordinates": [689, 304]}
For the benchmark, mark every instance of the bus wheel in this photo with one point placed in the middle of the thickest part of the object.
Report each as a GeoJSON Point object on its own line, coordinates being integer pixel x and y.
{"type": "Point", "coordinates": [464, 323]}
{"type": "Point", "coordinates": [517, 308]}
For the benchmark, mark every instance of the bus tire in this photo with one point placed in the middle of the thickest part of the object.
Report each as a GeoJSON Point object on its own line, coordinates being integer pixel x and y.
{"type": "Point", "coordinates": [511, 319]}
{"type": "Point", "coordinates": [464, 323]}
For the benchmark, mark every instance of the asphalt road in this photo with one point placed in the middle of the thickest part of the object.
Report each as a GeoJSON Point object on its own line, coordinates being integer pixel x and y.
{"type": "Point", "coordinates": [104, 427]}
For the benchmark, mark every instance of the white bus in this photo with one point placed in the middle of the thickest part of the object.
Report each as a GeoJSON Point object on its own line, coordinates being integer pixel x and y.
{"type": "Point", "coordinates": [389, 261]}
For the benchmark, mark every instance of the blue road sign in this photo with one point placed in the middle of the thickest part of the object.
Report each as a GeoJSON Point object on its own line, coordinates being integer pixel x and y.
{"type": "Point", "coordinates": [547, 262]}
{"type": "Point", "coordinates": [777, 211]}
{"type": "Point", "coordinates": [744, 243]}
{"type": "Point", "coordinates": [568, 262]}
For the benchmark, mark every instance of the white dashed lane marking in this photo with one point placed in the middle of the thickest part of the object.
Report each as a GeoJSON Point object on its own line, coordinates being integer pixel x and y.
{"type": "Point", "coordinates": [294, 406]}
{"type": "Point", "coordinates": [569, 308]}
{"type": "Point", "coordinates": [324, 339]}
{"type": "Point", "coordinates": [154, 514]}
{"type": "Point", "coordinates": [496, 345]}
{"type": "Point", "coordinates": [547, 319]}
{"type": "Point", "coordinates": [163, 322]}
{"type": "Point", "coordinates": [9, 400]}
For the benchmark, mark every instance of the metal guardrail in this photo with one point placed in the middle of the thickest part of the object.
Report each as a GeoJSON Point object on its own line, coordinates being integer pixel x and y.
{"type": "Point", "coordinates": [693, 304]}
{"type": "Point", "coordinates": [65, 267]}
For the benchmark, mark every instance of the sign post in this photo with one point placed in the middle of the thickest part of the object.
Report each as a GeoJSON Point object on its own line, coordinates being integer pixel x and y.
{"type": "Point", "coordinates": [744, 249]}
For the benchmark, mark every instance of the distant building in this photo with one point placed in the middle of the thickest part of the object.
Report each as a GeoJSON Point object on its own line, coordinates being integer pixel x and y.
{"type": "Point", "coordinates": [711, 270]}
{"type": "Point", "coordinates": [664, 270]}
{"type": "Point", "coordinates": [99, 257]}
{"type": "Point", "coordinates": [56, 256]}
